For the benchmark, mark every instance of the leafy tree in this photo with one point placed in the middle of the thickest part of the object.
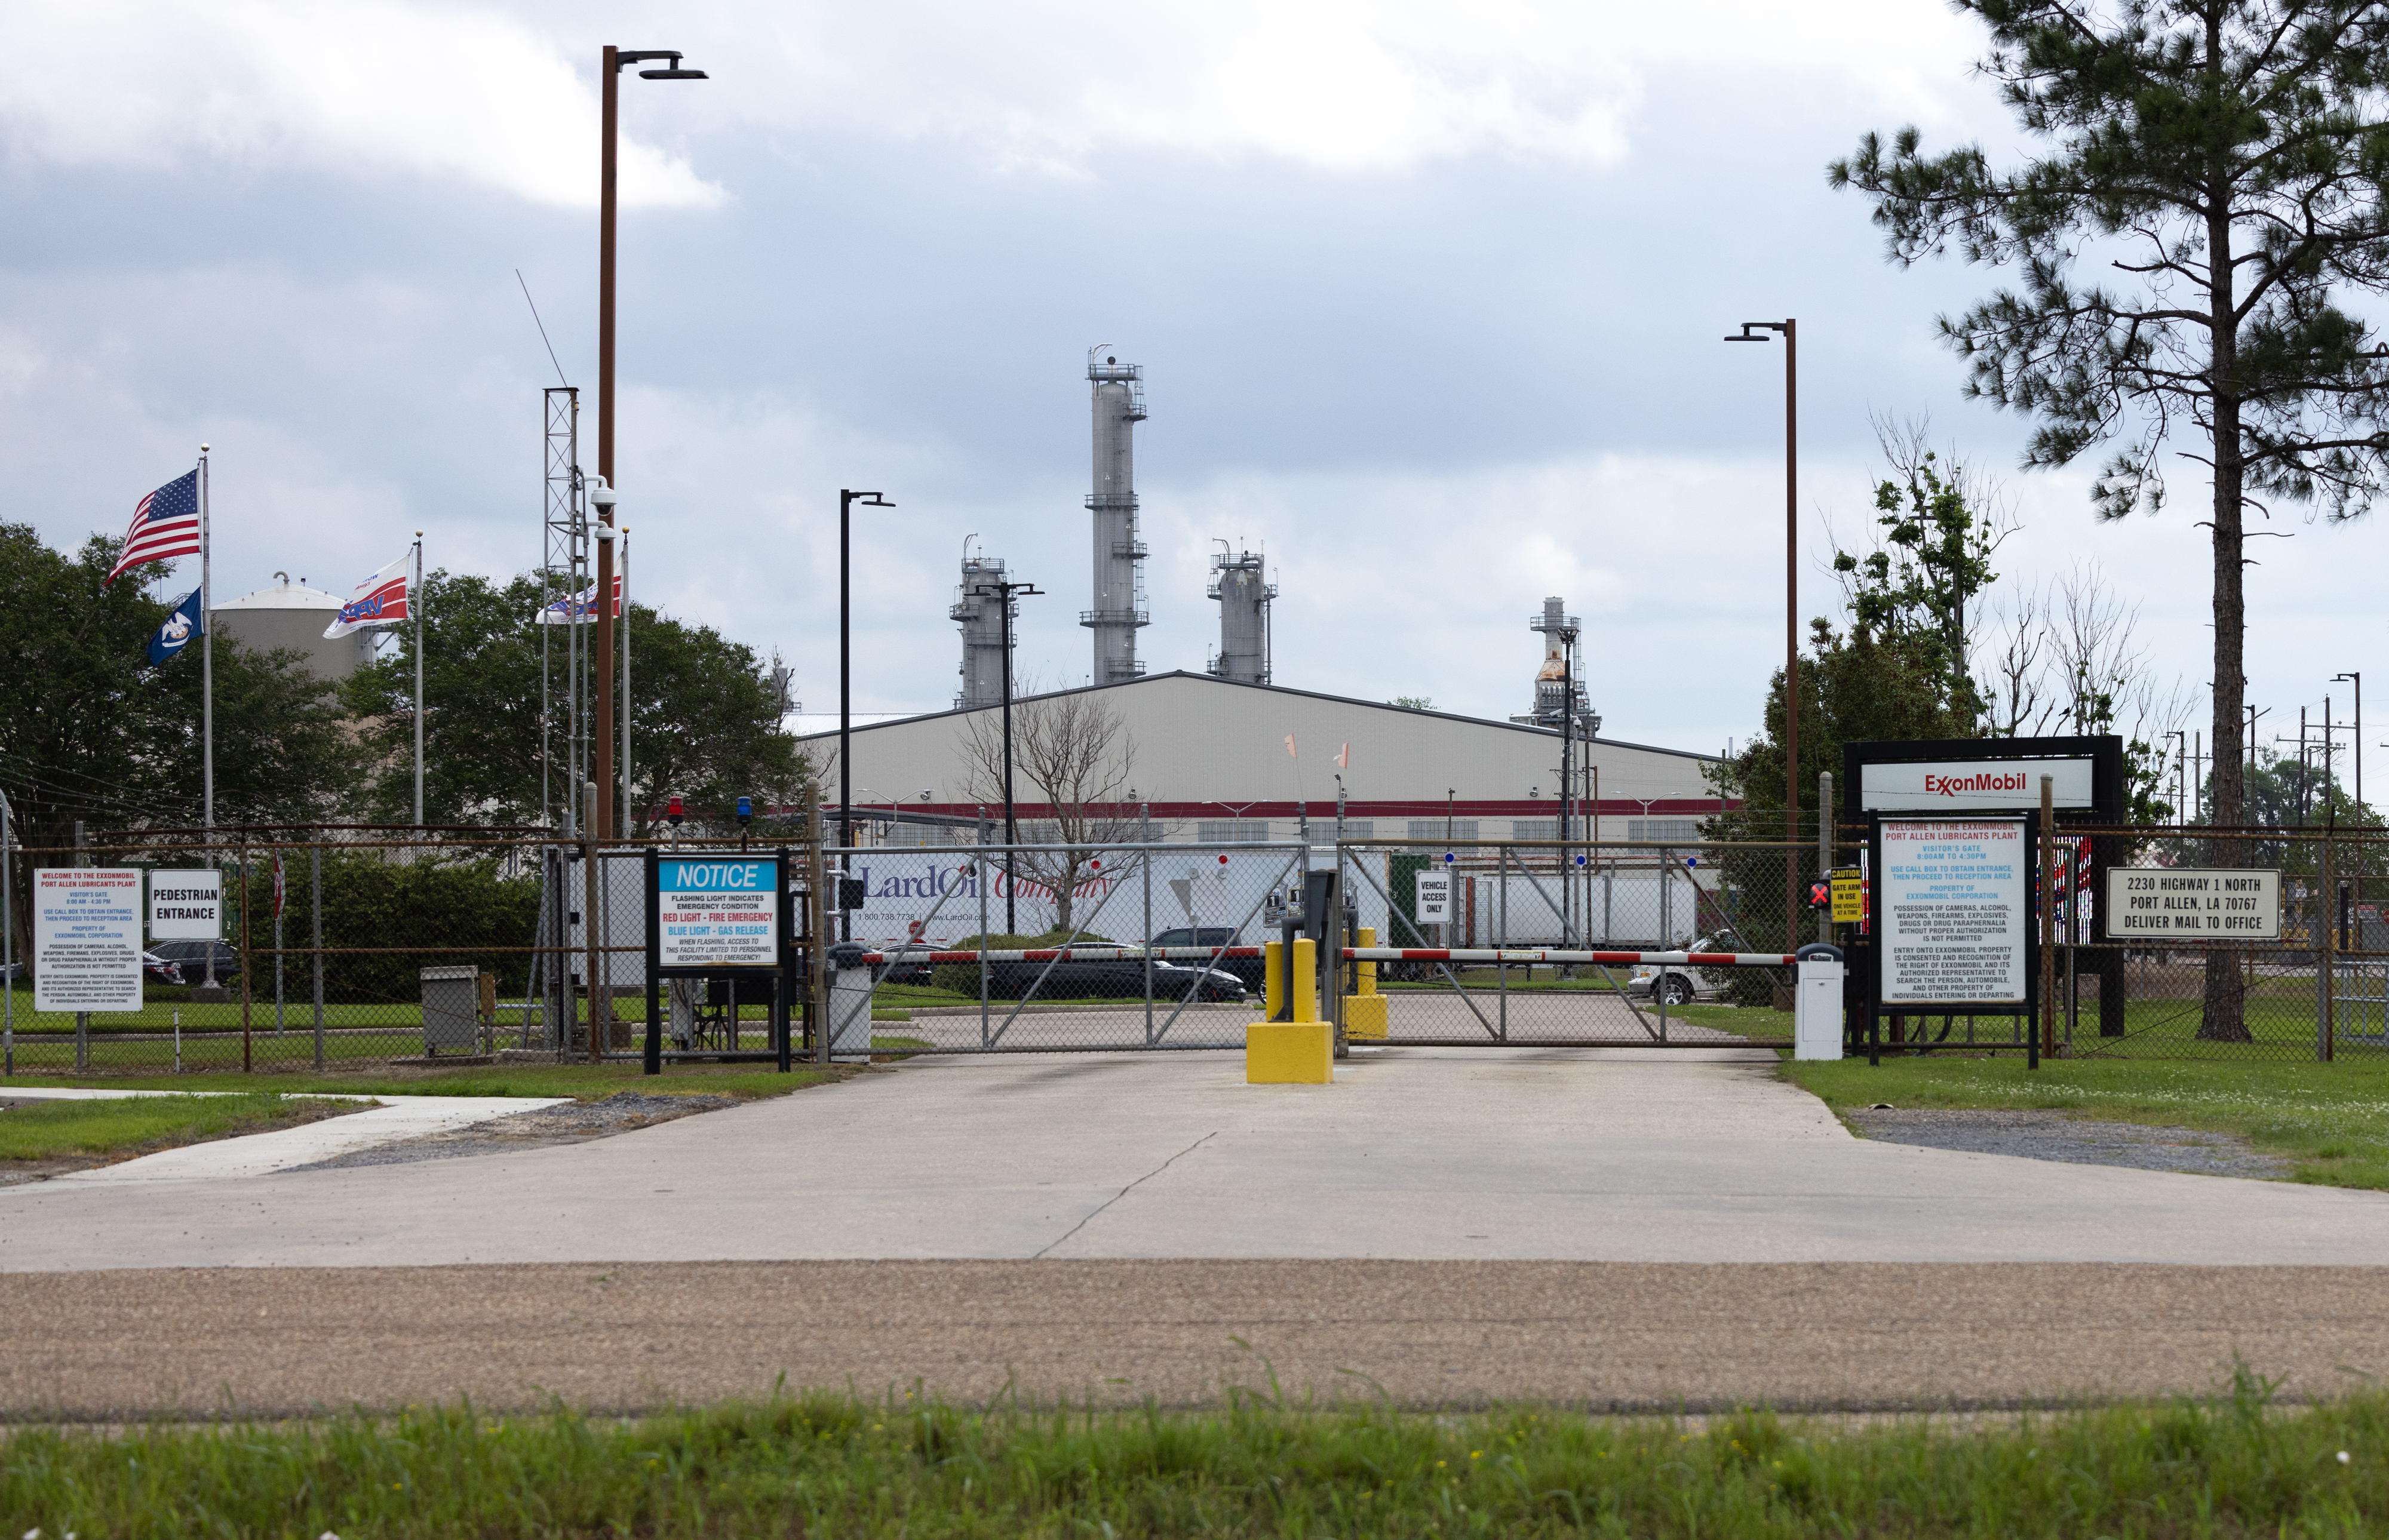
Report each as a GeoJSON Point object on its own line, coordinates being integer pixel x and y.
{"type": "Point", "coordinates": [1917, 588]}
{"type": "Point", "coordinates": [705, 718]}
{"type": "Point", "coordinates": [2226, 158]}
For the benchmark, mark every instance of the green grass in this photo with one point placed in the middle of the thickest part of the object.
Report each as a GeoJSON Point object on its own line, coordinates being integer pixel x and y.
{"type": "Point", "coordinates": [2330, 1121]}
{"type": "Point", "coordinates": [49, 1130]}
{"type": "Point", "coordinates": [583, 1082]}
{"type": "Point", "coordinates": [825, 1465]}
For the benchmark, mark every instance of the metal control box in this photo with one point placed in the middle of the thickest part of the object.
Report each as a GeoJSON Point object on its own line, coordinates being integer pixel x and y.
{"type": "Point", "coordinates": [451, 1010]}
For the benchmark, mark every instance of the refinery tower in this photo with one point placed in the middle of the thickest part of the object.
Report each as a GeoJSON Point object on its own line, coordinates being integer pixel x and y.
{"type": "Point", "coordinates": [1118, 611]}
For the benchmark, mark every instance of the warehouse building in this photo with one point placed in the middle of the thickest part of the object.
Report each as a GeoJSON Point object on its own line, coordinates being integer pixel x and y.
{"type": "Point", "coordinates": [1218, 758]}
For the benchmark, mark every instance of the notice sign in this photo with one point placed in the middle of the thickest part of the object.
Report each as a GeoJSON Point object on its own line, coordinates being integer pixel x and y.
{"type": "Point", "coordinates": [88, 938]}
{"type": "Point", "coordinates": [185, 906]}
{"type": "Point", "coordinates": [1434, 905]}
{"type": "Point", "coordinates": [2193, 904]}
{"type": "Point", "coordinates": [717, 911]}
{"type": "Point", "coordinates": [1952, 911]}
{"type": "Point", "coordinates": [1848, 891]}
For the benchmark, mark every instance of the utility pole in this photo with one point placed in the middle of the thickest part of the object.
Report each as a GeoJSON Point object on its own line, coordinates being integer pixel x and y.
{"type": "Point", "coordinates": [2357, 680]}
{"type": "Point", "coordinates": [610, 65]}
{"type": "Point", "coordinates": [846, 501]}
{"type": "Point", "coordinates": [1004, 591]}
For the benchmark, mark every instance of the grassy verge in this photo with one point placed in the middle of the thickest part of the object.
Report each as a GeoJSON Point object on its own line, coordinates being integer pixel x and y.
{"type": "Point", "coordinates": [137, 1125]}
{"type": "Point", "coordinates": [583, 1082]}
{"type": "Point", "coordinates": [826, 1465]}
{"type": "Point", "coordinates": [2330, 1120]}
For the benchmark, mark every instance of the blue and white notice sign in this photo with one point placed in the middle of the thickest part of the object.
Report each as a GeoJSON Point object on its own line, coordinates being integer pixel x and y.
{"type": "Point", "coordinates": [717, 911]}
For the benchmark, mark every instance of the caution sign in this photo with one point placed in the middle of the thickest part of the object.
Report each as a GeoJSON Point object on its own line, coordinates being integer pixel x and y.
{"type": "Point", "coordinates": [1850, 896]}
{"type": "Point", "coordinates": [2175, 903]}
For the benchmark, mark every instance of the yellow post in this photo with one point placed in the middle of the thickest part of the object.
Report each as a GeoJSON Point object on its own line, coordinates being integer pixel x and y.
{"type": "Point", "coordinates": [1272, 979]}
{"type": "Point", "coordinates": [1301, 1051]}
{"type": "Point", "coordinates": [1364, 1012]}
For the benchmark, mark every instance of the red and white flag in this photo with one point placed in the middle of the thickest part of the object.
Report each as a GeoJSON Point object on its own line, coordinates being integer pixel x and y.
{"type": "Point", "coordinates": [1344, 758]}
{"type": "Point", "coordinates": [1289, 747]}
{"type": "Point", "coordinates": [380, 600]}
{"type": "Point", "coordinates": [165, 525]}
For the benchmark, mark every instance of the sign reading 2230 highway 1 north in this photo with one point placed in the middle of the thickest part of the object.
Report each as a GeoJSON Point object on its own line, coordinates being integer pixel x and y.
{"type": "Point", "coordinates": [717, 911]}
{"type": "Point", "coordinates": [2183, 903]}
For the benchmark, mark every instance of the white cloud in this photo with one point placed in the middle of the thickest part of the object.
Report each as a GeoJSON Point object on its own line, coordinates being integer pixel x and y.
{"type": "Point", "coordinates": [1337, 84]}
{"type": "Point", "coordinates": [432, 91]}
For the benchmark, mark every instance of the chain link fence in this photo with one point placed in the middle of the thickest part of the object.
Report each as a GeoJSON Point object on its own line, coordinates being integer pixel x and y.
{"type": "Point", "coordinates": [359, 948]}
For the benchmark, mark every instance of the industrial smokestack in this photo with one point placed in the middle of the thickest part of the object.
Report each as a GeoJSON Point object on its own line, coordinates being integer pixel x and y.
{"type": "Point", "coordinates": [1120, 609]}
{"type": "Point", "coordinates": [1553, 683]}
{"type": "Point", "coordinates": [984, 663]}
{"type": "Point", "coordinates": [1244, 590]}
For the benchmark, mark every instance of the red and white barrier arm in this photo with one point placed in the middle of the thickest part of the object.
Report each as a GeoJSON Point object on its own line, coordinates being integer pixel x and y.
{"type": "Point", "coordinates": [1352, 954]}
{"type": "Point", "coordinates": [1556, 954]}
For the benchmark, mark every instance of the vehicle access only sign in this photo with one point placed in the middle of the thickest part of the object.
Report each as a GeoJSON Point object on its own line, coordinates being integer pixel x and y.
{"type": "Point", "coordinates": [715, 912]}
{"type": "Point", "coordinates": [2193, 904]}
{"type": "Point", "coordinates": [1950, 905]}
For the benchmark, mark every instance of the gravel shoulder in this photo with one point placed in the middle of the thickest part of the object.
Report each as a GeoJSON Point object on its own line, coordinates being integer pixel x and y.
{"type": "Point", "coordinates": [576, 1123]}
{"type": "Point", "coordinates": [2035, 1134]}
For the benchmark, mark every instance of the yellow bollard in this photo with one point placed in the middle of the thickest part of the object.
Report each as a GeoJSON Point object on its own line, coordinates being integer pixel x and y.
{"type": "Point", "coordinates": [1364, 1012]}
{"type": "Point", "coordinates": [1272, 979]}
{"type": "Point", "coordinates": [1301, 1051]}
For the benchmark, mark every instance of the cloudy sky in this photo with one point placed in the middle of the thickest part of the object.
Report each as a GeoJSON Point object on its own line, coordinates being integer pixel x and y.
{"type": "Point", "coordinates": [1429, 300]}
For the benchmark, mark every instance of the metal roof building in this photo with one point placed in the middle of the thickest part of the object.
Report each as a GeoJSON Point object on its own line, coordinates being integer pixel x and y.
{"type": "Point", "coordinates": [1208, 755]}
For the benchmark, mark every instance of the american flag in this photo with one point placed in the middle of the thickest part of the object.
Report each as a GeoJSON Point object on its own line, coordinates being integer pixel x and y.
{"type": "Point", "coordinates": [165, 525]}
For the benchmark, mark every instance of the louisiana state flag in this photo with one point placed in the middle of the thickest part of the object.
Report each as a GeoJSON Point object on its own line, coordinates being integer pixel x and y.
{"type": "Point", "coordinates": [189, 620]}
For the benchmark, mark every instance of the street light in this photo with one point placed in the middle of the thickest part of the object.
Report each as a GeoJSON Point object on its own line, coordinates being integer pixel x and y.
{"type": "Point", "coordinates": [2357, 680]}
{"type": "Point", "coordinates": [1751, 332]}
{"type": "Point", "coordinates": [602, 635]}
{"type": "Point", "coordinates": [846, 501]}
{"type": "Point", "coordinates": [1003, 592]}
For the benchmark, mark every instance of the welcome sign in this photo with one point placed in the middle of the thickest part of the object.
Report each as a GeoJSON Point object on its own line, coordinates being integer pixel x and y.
{"type": "Point", "coordinates": [717, 911]}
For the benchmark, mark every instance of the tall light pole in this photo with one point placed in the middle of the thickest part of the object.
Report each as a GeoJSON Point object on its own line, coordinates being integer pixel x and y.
{"type": "Point", "coordinates": [1003, 593]}
{"type": "Point", "coordinates": [2357, 680]}
{"type": "Point", "coordinates": [2180, 760]}
{"type": "Point", "coordinates": [846, 501]}
{"type": "Point", "coordinates": [1750, 333]}
{"type": "Point", "coordinates": [601, 629]}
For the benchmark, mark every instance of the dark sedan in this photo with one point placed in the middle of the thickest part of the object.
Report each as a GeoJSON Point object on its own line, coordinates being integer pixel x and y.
{"type": "Point", "coordinates": [1123, 979]}
{"type": "Point", "coordinates": [189, 959]}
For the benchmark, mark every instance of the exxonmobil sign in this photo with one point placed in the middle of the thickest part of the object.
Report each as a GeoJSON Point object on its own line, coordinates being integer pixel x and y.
{"type": "Point", "coordinates": [1974, 784]}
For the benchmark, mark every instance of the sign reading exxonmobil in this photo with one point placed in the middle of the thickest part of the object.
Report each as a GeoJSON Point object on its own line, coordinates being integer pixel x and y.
{"type": "Point", "coordinates": [1973, 783]}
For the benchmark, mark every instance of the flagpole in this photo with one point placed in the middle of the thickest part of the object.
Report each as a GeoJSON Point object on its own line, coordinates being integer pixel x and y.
{"type": "Point", "coordinates": [207, 670]}
{"type": "Point", "coordinates": [415, 603]}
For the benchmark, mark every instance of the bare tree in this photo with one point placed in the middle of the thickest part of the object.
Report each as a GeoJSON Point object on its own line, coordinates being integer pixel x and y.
{"type": "Point", "coordinates": [1073, 751]}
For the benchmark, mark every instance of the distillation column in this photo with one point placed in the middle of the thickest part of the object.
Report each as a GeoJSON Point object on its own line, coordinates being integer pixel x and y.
{"type": "Point", "coordinates": [984, 663]}
{"type": "Point", "coordinates": [1119, 609]}
{"type": "Point", "coordinates": [1244, 591]}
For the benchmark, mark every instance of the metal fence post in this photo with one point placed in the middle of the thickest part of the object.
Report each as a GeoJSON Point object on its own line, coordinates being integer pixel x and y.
{"type": "Point", "coordinates": [2326, 932]}
{"type": "Point", "coordinates": [1825, 853]}
{"type": "Point", "coordinates": [83, 1018]}
{"type": "Point", "coordinates": [248, 1065]}
{"type": "Point", "coordinates": [589, 917]}
{"type": "Point", "coordinates": [316, 903]}
{"type": "Point", "coordinates": [1144, 832]}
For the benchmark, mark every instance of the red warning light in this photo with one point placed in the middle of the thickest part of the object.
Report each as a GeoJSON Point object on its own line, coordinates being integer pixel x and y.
{"type": "Point", "coordinates": [672, 812]}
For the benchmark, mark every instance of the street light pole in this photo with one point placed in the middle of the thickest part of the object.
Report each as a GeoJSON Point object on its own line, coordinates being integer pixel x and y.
{"type": "Point", "coordinates": [601, 628]}
{"type": "Point", "coordinates": [1003, 592]}
{"type": "Point", "coordinates": [2357, 680]}
{"type": "Point", "coordinates": [1790, 328]}
{"type": "Point", "coordinates": [846, 501]}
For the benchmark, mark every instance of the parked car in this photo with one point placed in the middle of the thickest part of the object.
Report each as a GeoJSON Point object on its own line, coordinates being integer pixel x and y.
{"type": "Point", "coordinates": [1682, 983]}
{"type": "Point", "coordinates": [157, 969]}
{"type": "Point", "coordinates": [1248, 971]}
{"type": "Point", "coordinates": [189, 959]}
{"type": "Point", "coordinates": [1121, 979]}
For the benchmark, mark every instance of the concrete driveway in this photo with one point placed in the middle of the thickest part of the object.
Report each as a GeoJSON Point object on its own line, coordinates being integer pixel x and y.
{"type": "Point", "coordinates": [1649, 1155]}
